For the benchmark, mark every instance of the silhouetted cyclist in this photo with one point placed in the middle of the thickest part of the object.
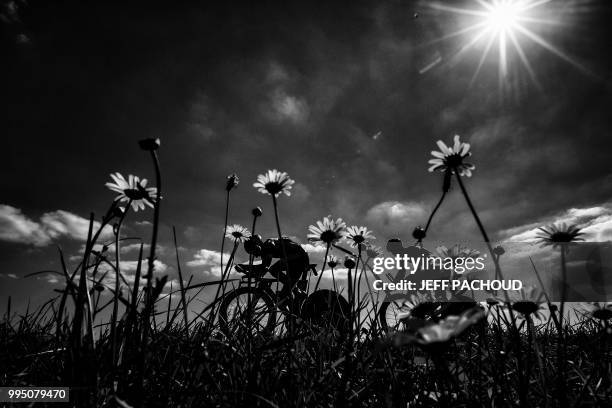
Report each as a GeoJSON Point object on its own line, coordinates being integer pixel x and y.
{"type": "Point", "coordinates": [298, 262]}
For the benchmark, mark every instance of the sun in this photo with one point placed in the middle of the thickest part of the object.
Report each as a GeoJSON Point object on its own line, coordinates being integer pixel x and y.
{"type": "Point", "coordinates": [504, 28]}
{"type": "Point", "coordinates": [503, 17]}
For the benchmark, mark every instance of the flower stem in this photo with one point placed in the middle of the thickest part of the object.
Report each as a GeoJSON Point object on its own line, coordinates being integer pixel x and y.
{"type": "Point", "coordinates": [227, 198]}
{"type": "Point", "coordinates": [280, 238]}
{"type": "Point", "coordinates": [435, 210]}
{"type": "Point", "coordinates": [222, 283]}
{"type": "Point", "coordinates": [498, 273]}
{"type": "Point", "coordinates": [151, 260]}
{"type": "Point", "coordinates": [181, 284]}
{"type": "Point", "coordinates": [322, 267]}
{"type": "Point", "coordinates": [117, 285]}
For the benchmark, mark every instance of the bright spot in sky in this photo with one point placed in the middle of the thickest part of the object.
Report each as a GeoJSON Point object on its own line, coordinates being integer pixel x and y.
{"type": "Point", "coordinates": [503, 16]}
{"type": "Point", "coordinates": [507, 27]}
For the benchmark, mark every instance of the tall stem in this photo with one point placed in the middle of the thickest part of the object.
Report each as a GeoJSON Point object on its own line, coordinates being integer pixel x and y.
{"type": "Point", "coordinates": [280, 237]}
{"type": "Point", "coordinates": [435, 210]}
{"type": "Point", "coordinates": [227, 197]}
{"type": "Point", "coordinates": [222, 282]}
{"type": "Point", "coordinates": [181, 284]}
{"type": "Point", "coordinates": [560, 338]}
{"type": "Point", "coordinates": [498, 273]}
{"type": "Point", "coordinates": [323, 266]}
{"type": "Point", "coordinates": [151, 260]}
{"type": "Point", "coordinates": [117, 285]}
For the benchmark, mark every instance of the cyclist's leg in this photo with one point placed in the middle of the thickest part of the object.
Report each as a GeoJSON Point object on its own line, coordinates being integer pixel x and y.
{"type": "Point", "coordinates": [278, 272]}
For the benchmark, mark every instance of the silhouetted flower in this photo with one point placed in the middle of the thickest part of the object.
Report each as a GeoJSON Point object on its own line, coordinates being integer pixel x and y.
{"type": "Point", "coordinates": [528, 308]}
{"type": "Point", "coordinates": [558, 235]}
{"type": "Point", "coordinates": [133, 189]}
{"type": "Point", "coordinates": [419, 233]}
{"type": "Point", "coordinates": [450, 327]}
{"type": "Point", "coordinates": [458, 251]}
{"type": "Point", "coordinates": [257, 212]}
{"type": "Point", "coordinates": [528, 302]}
{"type": "Point", "coordinates": [332, 261]}
{"type": "Point", "coordinates": [492, 301]}
{"type": "Point", "coordinates": [499, 250]}
{"type": "Point", "coordinates": [274, 182]}
{"type": "Point", "coordinates": [451, 159]}
{"type": "Point", "coordinates": [600, 312]}
{"type": "Point", "coordinates": [150, 144]}
{"type": "Point", "coordinates": [232, 182]}
{"type": "Point", "coordinates": [327, 230]}
{"type": "Point", "coordinates": [237, 232]}
{"type": "Point", "coordinates": [358, 235]}
{"type": "Point", "coordinates": [349, 262]}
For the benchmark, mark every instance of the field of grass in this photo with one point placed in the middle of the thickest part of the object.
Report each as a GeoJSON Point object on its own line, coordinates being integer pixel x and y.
{"type": "Point", "coordinates": [149, 352]}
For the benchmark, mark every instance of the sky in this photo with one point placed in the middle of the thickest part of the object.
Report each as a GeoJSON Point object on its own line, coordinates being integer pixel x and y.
{"type": "Point", "coordinates": [347, 97]}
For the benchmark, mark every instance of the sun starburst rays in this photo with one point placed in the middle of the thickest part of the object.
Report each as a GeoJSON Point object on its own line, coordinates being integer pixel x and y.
{"type": "Point", "coordinates": [506, 29]}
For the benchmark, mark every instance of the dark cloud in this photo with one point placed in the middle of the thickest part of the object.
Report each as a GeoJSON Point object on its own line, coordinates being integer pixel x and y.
{"type": "Point", "coordinates": [302, 87]}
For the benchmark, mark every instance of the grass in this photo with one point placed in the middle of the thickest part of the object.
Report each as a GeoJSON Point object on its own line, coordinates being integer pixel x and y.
{"type": "Point", "coordinates": [149, 352]}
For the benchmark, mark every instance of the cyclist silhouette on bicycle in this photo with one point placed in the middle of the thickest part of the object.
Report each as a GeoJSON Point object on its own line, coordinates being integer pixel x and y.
{"type": "Point", "coordinates": [292, 274]}
{"type": "Point", "coordinates": [261, 304]}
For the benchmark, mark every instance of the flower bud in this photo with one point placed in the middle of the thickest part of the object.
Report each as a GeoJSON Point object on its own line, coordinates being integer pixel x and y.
{"type": "Point", "coordinates": [349, 263]}
{"type": "Point", "coordinates": [232, 181]}
{"type": "Point", "coordinates": [419, 233]}
{"type": "Point", "coordinates": [499, 250]}
{"type": "Point", "coordinates": [257, 212]}
{"type": "Point", "coordinates": [149, 144]}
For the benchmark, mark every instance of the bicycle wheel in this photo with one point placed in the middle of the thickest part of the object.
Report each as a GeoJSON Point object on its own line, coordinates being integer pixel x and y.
{"type": "Point", "coordinates": [390, 313]}
{"type": "Point", "coordinates": [327, 307]}
{"type": "Point", "coordinates": [235, 313]}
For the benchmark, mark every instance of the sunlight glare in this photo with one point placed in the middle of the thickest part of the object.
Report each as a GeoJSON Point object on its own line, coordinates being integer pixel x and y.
{"type": "Point", "coordinates": [505, 28]}
{"type": "Point", "coordinates": [503, 16]}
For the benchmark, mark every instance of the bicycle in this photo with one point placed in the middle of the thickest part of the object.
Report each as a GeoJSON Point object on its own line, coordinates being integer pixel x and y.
{"type": "Point", "coordinates": [396, 307]}
{"type": "Point", "coordinates": [256, 307]}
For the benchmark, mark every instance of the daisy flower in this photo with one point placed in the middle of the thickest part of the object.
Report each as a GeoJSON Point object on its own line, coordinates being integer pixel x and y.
{"type": "Point", "coordinates": [237, 232]}
{"type": "Point", "coordinates": [452, 158]}
{"type": "Point", "coordinates": [133, 189]}
{"type": "Point", "coordinates": [527, 302]}
{"type": "Point", "coordinates": [450, 327]}
{"type": "Point", "coordinates": [327, 230]}
{"type": "Point", "coordinates": [528, 308]}
{"type": "Point", "coordinates": [457, 251]}
{"type": "Point", "coordinates": [358, 235]}
{"type": "Point", "coordinates": [274, 182]}
{"type": "Point", "coordinates": [440, 333]}
{"type": "Point", "coordinates": [558, 235]}
{"type": "Point", "coordinates": [332, 261]}
{"type": "Point", "coordinates": [599, 311]}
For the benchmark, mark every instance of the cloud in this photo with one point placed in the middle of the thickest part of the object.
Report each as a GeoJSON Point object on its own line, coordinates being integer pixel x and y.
{"type": "Point", "coordinates": [289, 107]}
{"type": "Point", "coordinates": [393, 217]}
{"type": "Point", "coordinates": [19, 228]}
{"type": "Point", "coordinates": [595, 222]}
{"type": "Point", "coordinates": [314, 249]}
{"type": "Point", "coordinates": [131, 266]}
{"type": "Point", "coordinates": [209, 260]}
